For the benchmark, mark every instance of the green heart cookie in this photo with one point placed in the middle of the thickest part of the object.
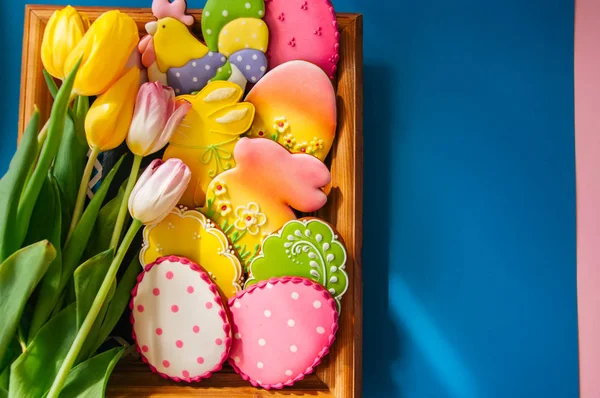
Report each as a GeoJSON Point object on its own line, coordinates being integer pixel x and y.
{"type": "Point", "coordinates": [307, 248]}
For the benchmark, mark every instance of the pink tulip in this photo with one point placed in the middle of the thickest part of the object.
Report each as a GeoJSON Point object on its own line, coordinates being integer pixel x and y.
{"type": "Point", "coordinates": [158, 190]}
{"type": "Point", "coordinates": [156, 118]}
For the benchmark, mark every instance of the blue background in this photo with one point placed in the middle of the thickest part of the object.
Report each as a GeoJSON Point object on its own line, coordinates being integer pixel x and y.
{"type": "Point", "coordinates": [469, 252]}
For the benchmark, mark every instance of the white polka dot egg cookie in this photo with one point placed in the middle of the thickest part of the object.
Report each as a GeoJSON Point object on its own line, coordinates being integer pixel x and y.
{"type": "Point", "coordinates": [282, 329]}
{"type": "Point", "coordinates": [179, 321]}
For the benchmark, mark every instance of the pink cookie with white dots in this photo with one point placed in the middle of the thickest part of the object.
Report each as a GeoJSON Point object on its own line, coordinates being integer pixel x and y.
{"type": "Point", "coordinates": [303, 30]}
{"type": "Point", "coordinates": [282, 329]}
{"type": "Point", "coordinates": [180, 324]}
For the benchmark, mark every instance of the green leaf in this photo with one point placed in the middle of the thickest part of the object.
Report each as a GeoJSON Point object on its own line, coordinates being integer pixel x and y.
{"type": "Point", "coordinates": [34, 371]}
{"type": "Point", "coordinates": [105, 224]}
{"type": "Point", "coordinates": [13, 352]}
{"type": "Point", "coordinates": [3, 393]}
{"type": "Point", "coordinates": [11, 186]}
{"type": "Point", "coordinates": [49, 150]}
{"type": "Point", "coordinates": [19, 275]}
{"type": "Point", "coordinates": [46, 223]}
{"type": "Point", "coordinates": [307, 248]}
{"type": "Point", "coordinates": [68, 168]}
{"type": "Point", "coordinates": [76, 245]}
{"type": "Point", "coordinates": [89, 379]}
{"type": "Point", "coordinates": [52, 87]}
{"type": "Point", "coordinates": [119, 302]}
{"type": "Point", "coordinates": [88, 278]}
{"type": "Point", "coordinates": [72, 252]}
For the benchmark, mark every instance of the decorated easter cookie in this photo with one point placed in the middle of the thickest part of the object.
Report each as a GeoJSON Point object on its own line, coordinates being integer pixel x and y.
{"type": "Point", "coordinates": [303, 30]}
{"type": "Point", "coordinates": [309, 248]}
{"type": "Point", "coordinates": [256, 197]}
{"type": "Point", "coordinates": [296, 106]}
{"type": "Point", "coordinates": [190, 234]}
{"type": "Point", "coordinates": [179, 322]}
{"type": "Point", "coordinates": [282, 329]}
{"type": "Point", "coordinates": [218, 13]}
{"type": "Point", "coordinates": [176, 9]}
{"type": "Point", "coordinates": [208, 134]}
{"type": "Point", "coordinates": [235, 29]}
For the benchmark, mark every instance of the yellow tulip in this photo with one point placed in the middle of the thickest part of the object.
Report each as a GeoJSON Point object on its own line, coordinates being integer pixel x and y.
{"type": "Point", "coordinates": [105, 50]}
{"type": "Point", "coordinates": [65, 29]}
{"type": "Point", "coordinates": [107, 122]}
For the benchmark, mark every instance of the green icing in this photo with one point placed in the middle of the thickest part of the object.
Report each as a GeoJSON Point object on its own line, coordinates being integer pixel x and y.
{"type": "Point", "coordinates": [218, 13]}
{"type": "Point", "coordinates": [224, 73]}
{"type": "Point", "coordinates": [305, 248]}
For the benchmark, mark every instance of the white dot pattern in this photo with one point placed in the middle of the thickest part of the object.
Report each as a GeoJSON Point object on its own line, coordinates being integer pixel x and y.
{"type": "Point", "coordinates": [281, 330]}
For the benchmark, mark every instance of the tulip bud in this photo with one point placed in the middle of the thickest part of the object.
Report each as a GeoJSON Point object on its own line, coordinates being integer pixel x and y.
{"type": "Point", "coordinates": [109, 117]}
{"type": "Point", "coordinates": [158, 190]}
{"type": "Point", "coordinates": [65, 29]}
{"type": "Point", "coordinates": [105, 50]}
{"type": "Point", "coordinates": [157, 116]}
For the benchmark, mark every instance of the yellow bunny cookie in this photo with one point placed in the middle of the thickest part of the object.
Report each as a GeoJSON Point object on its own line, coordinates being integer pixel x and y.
{"type": "Point", "coordinates": [206, 137]}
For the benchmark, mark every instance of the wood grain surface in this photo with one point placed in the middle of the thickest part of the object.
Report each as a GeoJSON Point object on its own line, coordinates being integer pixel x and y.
{"type": "Point", "coordinates": [340, 374]}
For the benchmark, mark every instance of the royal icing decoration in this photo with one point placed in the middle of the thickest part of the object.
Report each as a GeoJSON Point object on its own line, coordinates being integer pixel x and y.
{"type": "Point", "coordinates": [235, 29]}
{"type": "Point", "coordinates": [304, 29]}
{"type": "Point", "coordinates": [296, 106]}
{"type": "Point", "coordinates": [206, 137]}
{"type": "Point", "coordinates": [180, 325]}
{"type": "Point", "coordinates": [190, 234]}
{"type": "Point", "coordinates": [308, 248]}
{"type": "Point", "coordinates": [282, 329]}
{"type": "Point", "coordinates": [256, 197]}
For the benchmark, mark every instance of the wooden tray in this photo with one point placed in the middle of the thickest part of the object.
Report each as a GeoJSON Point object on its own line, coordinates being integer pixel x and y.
{"type": "Point", "coordinates": [340, 374]}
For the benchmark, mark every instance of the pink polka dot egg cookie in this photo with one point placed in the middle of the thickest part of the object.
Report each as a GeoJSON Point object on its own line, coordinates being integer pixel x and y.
{"type": "Point", "coordinates": [282, 328]}
{"type": "Point", "coordinates": [180, 324]}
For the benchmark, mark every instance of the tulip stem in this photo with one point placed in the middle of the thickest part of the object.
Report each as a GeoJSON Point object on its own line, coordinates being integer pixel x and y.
{"type": "Point", "coordinates": [88, 323]}
{"type": "Point", "coordinates": [133, 176]}
{"type": "Point", "coordinates": [83, 188]}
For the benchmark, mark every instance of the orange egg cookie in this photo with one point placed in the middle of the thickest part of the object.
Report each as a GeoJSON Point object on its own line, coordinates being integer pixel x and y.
{"type": "Point", "coordinates": [296, 106]}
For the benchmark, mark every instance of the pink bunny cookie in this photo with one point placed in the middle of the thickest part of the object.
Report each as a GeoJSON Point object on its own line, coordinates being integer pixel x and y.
{"type": "Point", "coordinates": [303, 30]}
{"type": "Point", "coordinates": [256, 197]}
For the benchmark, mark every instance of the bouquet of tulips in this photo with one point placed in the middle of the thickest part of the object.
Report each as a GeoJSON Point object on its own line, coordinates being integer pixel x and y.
{"type": "Point", "coordinates": [61, 292]}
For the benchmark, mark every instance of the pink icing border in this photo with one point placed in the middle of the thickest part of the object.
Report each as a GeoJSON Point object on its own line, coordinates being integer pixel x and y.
{"type": "Point", "coordinates": [336, 46]}
{"type": "Point", "coordinates": [213, 288]}
{"type": "Point", "coordinates": [322, 353]}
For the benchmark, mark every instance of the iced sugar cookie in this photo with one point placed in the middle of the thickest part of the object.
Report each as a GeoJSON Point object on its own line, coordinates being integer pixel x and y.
{"type": "Point", "coordinates": [180, 325]}
{"type": "Point", "coordinates": [188, 233]}
{"type": "Point", "coordinates": [218, 13]}
{"type": "Point", "coordinates": [176, 9]}
{"type": "Point", "coordinates": [296, 106]}
{"type": "Point", "coordinates": [256, 197]}
{"type": "Point", "coordinates": [235, 29]}
{"type": "Point", "coordinates": [308, 248]}
{"type": "Point", "coordinates": [303, 30]}
{"type": "Point", "coordinates": [282, 329]}
{"type": "Point", "coordinates": [207, 135]}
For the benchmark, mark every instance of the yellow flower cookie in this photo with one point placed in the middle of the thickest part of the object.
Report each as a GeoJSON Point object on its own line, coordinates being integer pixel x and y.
{"type": "Point", "coordinates": [207, 135]}
{"type": "Point", "coordinates": [188, 233]}
{"type": "Point", "coordinates": [256, 197]}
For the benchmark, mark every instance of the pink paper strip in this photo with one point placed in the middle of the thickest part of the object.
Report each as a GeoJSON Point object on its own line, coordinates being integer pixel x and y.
{"type": "Point", "coordinates": [587, 135]}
